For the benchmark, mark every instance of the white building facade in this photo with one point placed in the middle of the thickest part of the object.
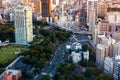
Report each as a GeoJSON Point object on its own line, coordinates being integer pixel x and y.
{"type": "Point", "coordinates": [23, 25]}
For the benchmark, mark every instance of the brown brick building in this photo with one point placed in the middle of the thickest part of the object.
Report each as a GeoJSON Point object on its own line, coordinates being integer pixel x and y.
{"type": "Point", "coordinates": [11, 75]}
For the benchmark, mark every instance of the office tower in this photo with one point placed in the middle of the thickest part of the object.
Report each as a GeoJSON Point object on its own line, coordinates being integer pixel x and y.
{"type": "Point", "coordinates": [101, 53]}
{"type": "Point", "coordinates": [91, 4]}
{"type": "Point", "coordinates": [23, 24]}
{"type": "Point", "coordinates": [92, 20]}
{"type": "Point", "coordinates": [117, 68]}
{"type": "Point", "coordinates": [108, 65]}
{"type": "Point", "coordinates": [46, 8]}
{"type": "Point", "coordinates": [92, 25]}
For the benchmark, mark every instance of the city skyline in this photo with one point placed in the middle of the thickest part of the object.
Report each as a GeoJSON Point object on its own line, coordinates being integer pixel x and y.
{"type": "Point", "coordinates": [59, 39]}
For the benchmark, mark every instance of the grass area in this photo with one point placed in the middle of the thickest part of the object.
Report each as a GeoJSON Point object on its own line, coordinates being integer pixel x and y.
{"type": "Point", "coordinates": [9, 53]}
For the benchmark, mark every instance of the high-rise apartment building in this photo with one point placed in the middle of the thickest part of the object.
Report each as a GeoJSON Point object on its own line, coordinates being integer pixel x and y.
{"type": "Point", "coordinates": [92, 19]}
{"type": "Point", "coordinates": [23, 24]}
{"type": "Point", "coordinates": [91, 4]}
{"type": "Point", "coordinates": [101, 53]}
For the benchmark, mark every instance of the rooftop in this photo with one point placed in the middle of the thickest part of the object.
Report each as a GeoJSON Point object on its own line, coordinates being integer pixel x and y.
{"type": "Point", "coordinates": [14, 72]}
{"type": "Point", "coordinates": [101, 46]}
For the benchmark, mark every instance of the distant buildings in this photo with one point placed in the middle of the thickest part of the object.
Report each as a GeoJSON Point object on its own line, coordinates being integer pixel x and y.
{"type": "Point", "coordinates": [11, 75]}
{"type": "Point", "coordinates": [23, 25]}
{"type": "Point", "coordinates": [105, 27]}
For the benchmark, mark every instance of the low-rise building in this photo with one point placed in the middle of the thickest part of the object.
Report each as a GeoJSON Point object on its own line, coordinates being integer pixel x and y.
{"type": "Point", "coordinates": [86, 55]}
{"type": "Point", "coordinates": [76, 57]}
{"type": "Point", "coordinates": [11, 75]}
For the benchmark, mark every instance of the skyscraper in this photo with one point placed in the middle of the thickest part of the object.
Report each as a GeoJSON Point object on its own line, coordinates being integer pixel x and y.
{"type": "Point", "coordinates": [46, 8]}
{"type": "Point", "coordinates": [101, 53]}
{"type": "Point", "coordinates": [23, 24]}
{"type": "Point", "coordinates": [91, 4]}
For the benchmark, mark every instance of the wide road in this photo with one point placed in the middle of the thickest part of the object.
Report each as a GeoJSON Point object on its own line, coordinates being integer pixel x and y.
{"type": "Point", "coordinates": [57, 59]}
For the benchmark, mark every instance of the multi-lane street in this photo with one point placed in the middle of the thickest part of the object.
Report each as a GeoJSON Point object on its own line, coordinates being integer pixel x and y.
{"type": "Point", "coordinates": [54, 63]}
